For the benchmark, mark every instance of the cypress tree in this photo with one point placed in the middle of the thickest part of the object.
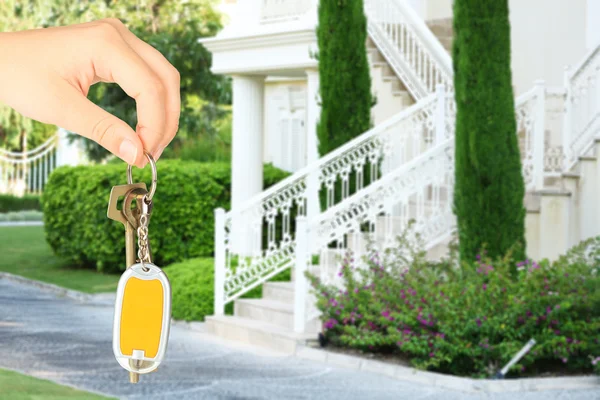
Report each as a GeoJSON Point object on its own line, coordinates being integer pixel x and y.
{"type": "Point", "coordinates": [345, 83]}
{"type": "Point", "coordinates": [489, 189]}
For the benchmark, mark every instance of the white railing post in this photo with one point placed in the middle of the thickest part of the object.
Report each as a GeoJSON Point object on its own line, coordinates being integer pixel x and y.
{"type": "Point", "coordinates": [300, 281]}
{"type": "Point", "coordinates": [440, 113]}
{"type": "Point", "coordinates": [219, 261]}
{"type": "Point", "coordinates": [567, 128]}
{"type": "Point", "coordinates": [539, 135]}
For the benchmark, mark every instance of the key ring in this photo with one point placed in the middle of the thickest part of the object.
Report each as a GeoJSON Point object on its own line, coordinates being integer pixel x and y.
{"type": "Point", "coordinates": [154, 177]}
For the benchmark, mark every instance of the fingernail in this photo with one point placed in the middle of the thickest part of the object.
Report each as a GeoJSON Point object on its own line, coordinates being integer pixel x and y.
{"type": "Point", "coordinates": [128, 151]}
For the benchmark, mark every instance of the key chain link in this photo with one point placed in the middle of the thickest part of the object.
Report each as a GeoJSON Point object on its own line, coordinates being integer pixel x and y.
{"type": "Point", "coordinates": [142, 232]}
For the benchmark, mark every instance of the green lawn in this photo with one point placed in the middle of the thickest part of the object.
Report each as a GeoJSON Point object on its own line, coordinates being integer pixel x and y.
{"type": "Point", "coordinates": [23, 251]}
{"type": "Point", "coordinates": [15, 386]}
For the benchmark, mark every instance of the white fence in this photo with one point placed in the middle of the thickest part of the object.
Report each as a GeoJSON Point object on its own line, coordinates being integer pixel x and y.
{"type": "Point", "coordinates": [28, 172]}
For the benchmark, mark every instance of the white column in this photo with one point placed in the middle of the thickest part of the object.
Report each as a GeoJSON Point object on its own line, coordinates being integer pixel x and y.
{"type": "Point", "coordinates": [313, 113]}
{"type": "Point", "coordinates": [247, 139]}
{"type": "Point", "coordinates": [246, 157]}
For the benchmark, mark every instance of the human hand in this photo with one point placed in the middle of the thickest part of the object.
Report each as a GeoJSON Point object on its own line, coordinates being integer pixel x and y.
{"type": "Point", "coordinates": [46, 74]}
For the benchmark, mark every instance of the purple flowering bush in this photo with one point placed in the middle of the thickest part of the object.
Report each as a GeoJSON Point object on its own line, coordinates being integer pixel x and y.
{"type": "Point", "coordinates": [468, 318]}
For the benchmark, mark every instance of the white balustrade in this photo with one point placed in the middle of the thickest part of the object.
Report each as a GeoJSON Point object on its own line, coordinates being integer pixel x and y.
{"type": "Point", "coordinates": [270, 216]}
{"type": "Point", "coordinates": [409, 46]}
{"type": "Point", "coordinates": [530, 118]}
{"type": "Point", "coordinates": [582, 108]}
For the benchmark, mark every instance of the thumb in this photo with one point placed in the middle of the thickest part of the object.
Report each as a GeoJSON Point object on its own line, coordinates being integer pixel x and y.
{"type": "Point", "coordinates": [91, 121]}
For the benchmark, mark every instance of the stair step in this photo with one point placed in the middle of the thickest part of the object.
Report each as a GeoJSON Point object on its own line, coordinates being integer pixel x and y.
{"type": "Point", "coordinates": [279, 291]}
{"type": "Point", "coordinates": [256, 333]}
{"type": "Point", "coordinates": [270, 311]}
{"type": "Point", "coordinates": [274, 312]}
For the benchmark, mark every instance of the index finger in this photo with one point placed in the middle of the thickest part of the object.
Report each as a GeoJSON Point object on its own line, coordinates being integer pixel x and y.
{"type": "Point", "coordinates": [117, 62]}
{"type": "Point", "coordinates": [169, 75]}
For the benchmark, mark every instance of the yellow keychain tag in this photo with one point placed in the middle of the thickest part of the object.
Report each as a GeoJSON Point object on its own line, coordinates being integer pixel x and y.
{"type": "Point", "coordinates": [142, 318]}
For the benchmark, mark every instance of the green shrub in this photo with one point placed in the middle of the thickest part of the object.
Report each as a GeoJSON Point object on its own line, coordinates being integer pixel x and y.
{"type": "Point", "coordinates": [75, 201]}
{"type": "Point", "coordinates": [192, 286]}
{"type": "Point", "coordinates": [192, 283]}
{"type": "Point", "coordinates": [469, 318]}
{"type": "Point", "coordinates": [345, 88]}
{"type": "Point", "coordinates": [13, 203]}
{"type": "Point", "coordinates": [489, 190]}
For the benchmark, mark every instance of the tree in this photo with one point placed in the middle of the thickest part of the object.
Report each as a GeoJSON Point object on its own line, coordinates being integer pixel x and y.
{"type": "Point", "coordinates": [489, 190]}
{"type": "Point", "coordinates": [345, 83]}
{"type": "Point", "coordinates": [172, 27]}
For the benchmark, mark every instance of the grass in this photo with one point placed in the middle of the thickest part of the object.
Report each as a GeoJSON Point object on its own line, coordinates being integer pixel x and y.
{"type": "Point", "coordinates": [24, 252]}
{"type": "Point", "coordinates": [15, 386]}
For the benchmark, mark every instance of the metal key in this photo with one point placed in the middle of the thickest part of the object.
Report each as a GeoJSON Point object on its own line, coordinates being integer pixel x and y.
{"type": "Point", "coordinates": [119, 215]}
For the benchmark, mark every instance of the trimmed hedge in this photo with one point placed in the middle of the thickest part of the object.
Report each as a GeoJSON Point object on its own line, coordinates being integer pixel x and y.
{"type": "Point", "coordinates": [192, 283]}
{"type": "Point", "coordinates": [13, 203]}
{"type": "Point", "coordinates": [75, 202]}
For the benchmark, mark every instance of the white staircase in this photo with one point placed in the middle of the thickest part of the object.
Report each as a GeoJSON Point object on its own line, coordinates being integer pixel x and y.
{"type": "Point", "coordinates": [401, 170]}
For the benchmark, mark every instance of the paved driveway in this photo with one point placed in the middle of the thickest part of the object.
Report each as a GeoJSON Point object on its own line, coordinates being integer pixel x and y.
{"type": "Point", "coordinates": [70, 342]}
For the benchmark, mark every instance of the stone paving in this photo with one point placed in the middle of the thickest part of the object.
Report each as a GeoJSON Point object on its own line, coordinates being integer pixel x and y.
{"type": "Point", "coordinates": [69, 342]}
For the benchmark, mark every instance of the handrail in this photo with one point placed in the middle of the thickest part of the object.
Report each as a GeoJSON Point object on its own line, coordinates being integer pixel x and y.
{"type": "Point", "coordinates": [580, 66]}
{"type": "Point", "coordinates": [385, 180]}
{"type": "Point", "coordinates": [305, 171]}
{"type": "Point", "coordinates": [438, 51]}
{"type": "Point", "coordinates": [409, 46]}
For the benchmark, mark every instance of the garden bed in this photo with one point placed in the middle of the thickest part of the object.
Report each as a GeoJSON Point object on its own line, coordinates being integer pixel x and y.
{"type": "Point", "coordinates": [468, 318]}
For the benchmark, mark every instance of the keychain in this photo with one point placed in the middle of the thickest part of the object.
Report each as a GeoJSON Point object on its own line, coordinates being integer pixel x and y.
{"type": "Point", "coordinates": [143, 303]}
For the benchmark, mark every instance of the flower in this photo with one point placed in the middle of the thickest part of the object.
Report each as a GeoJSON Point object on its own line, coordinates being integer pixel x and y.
{"type": "Point", "coordinates": [330, 323]}
{"type": "Point", "coordinates": [478, 321]}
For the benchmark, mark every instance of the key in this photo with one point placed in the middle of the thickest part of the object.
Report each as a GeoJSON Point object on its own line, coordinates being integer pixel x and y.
{"type": "Point", "coordinates": [119, 215]}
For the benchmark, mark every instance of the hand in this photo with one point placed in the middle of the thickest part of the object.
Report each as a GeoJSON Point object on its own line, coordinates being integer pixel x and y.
{"type": "Point", "coordinates": [46, 74]}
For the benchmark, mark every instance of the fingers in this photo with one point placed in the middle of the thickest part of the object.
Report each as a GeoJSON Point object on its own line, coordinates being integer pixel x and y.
{"type": "Point", "coordinates": [169, 77]}
{"type": "Point", "coordinates": [116, 61]}
{"type": "Point", "coordinates": [89, 120]}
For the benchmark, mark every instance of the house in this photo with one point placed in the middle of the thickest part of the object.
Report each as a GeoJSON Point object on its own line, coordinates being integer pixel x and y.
{"type": "Point", "coordinates": [403, 167]}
